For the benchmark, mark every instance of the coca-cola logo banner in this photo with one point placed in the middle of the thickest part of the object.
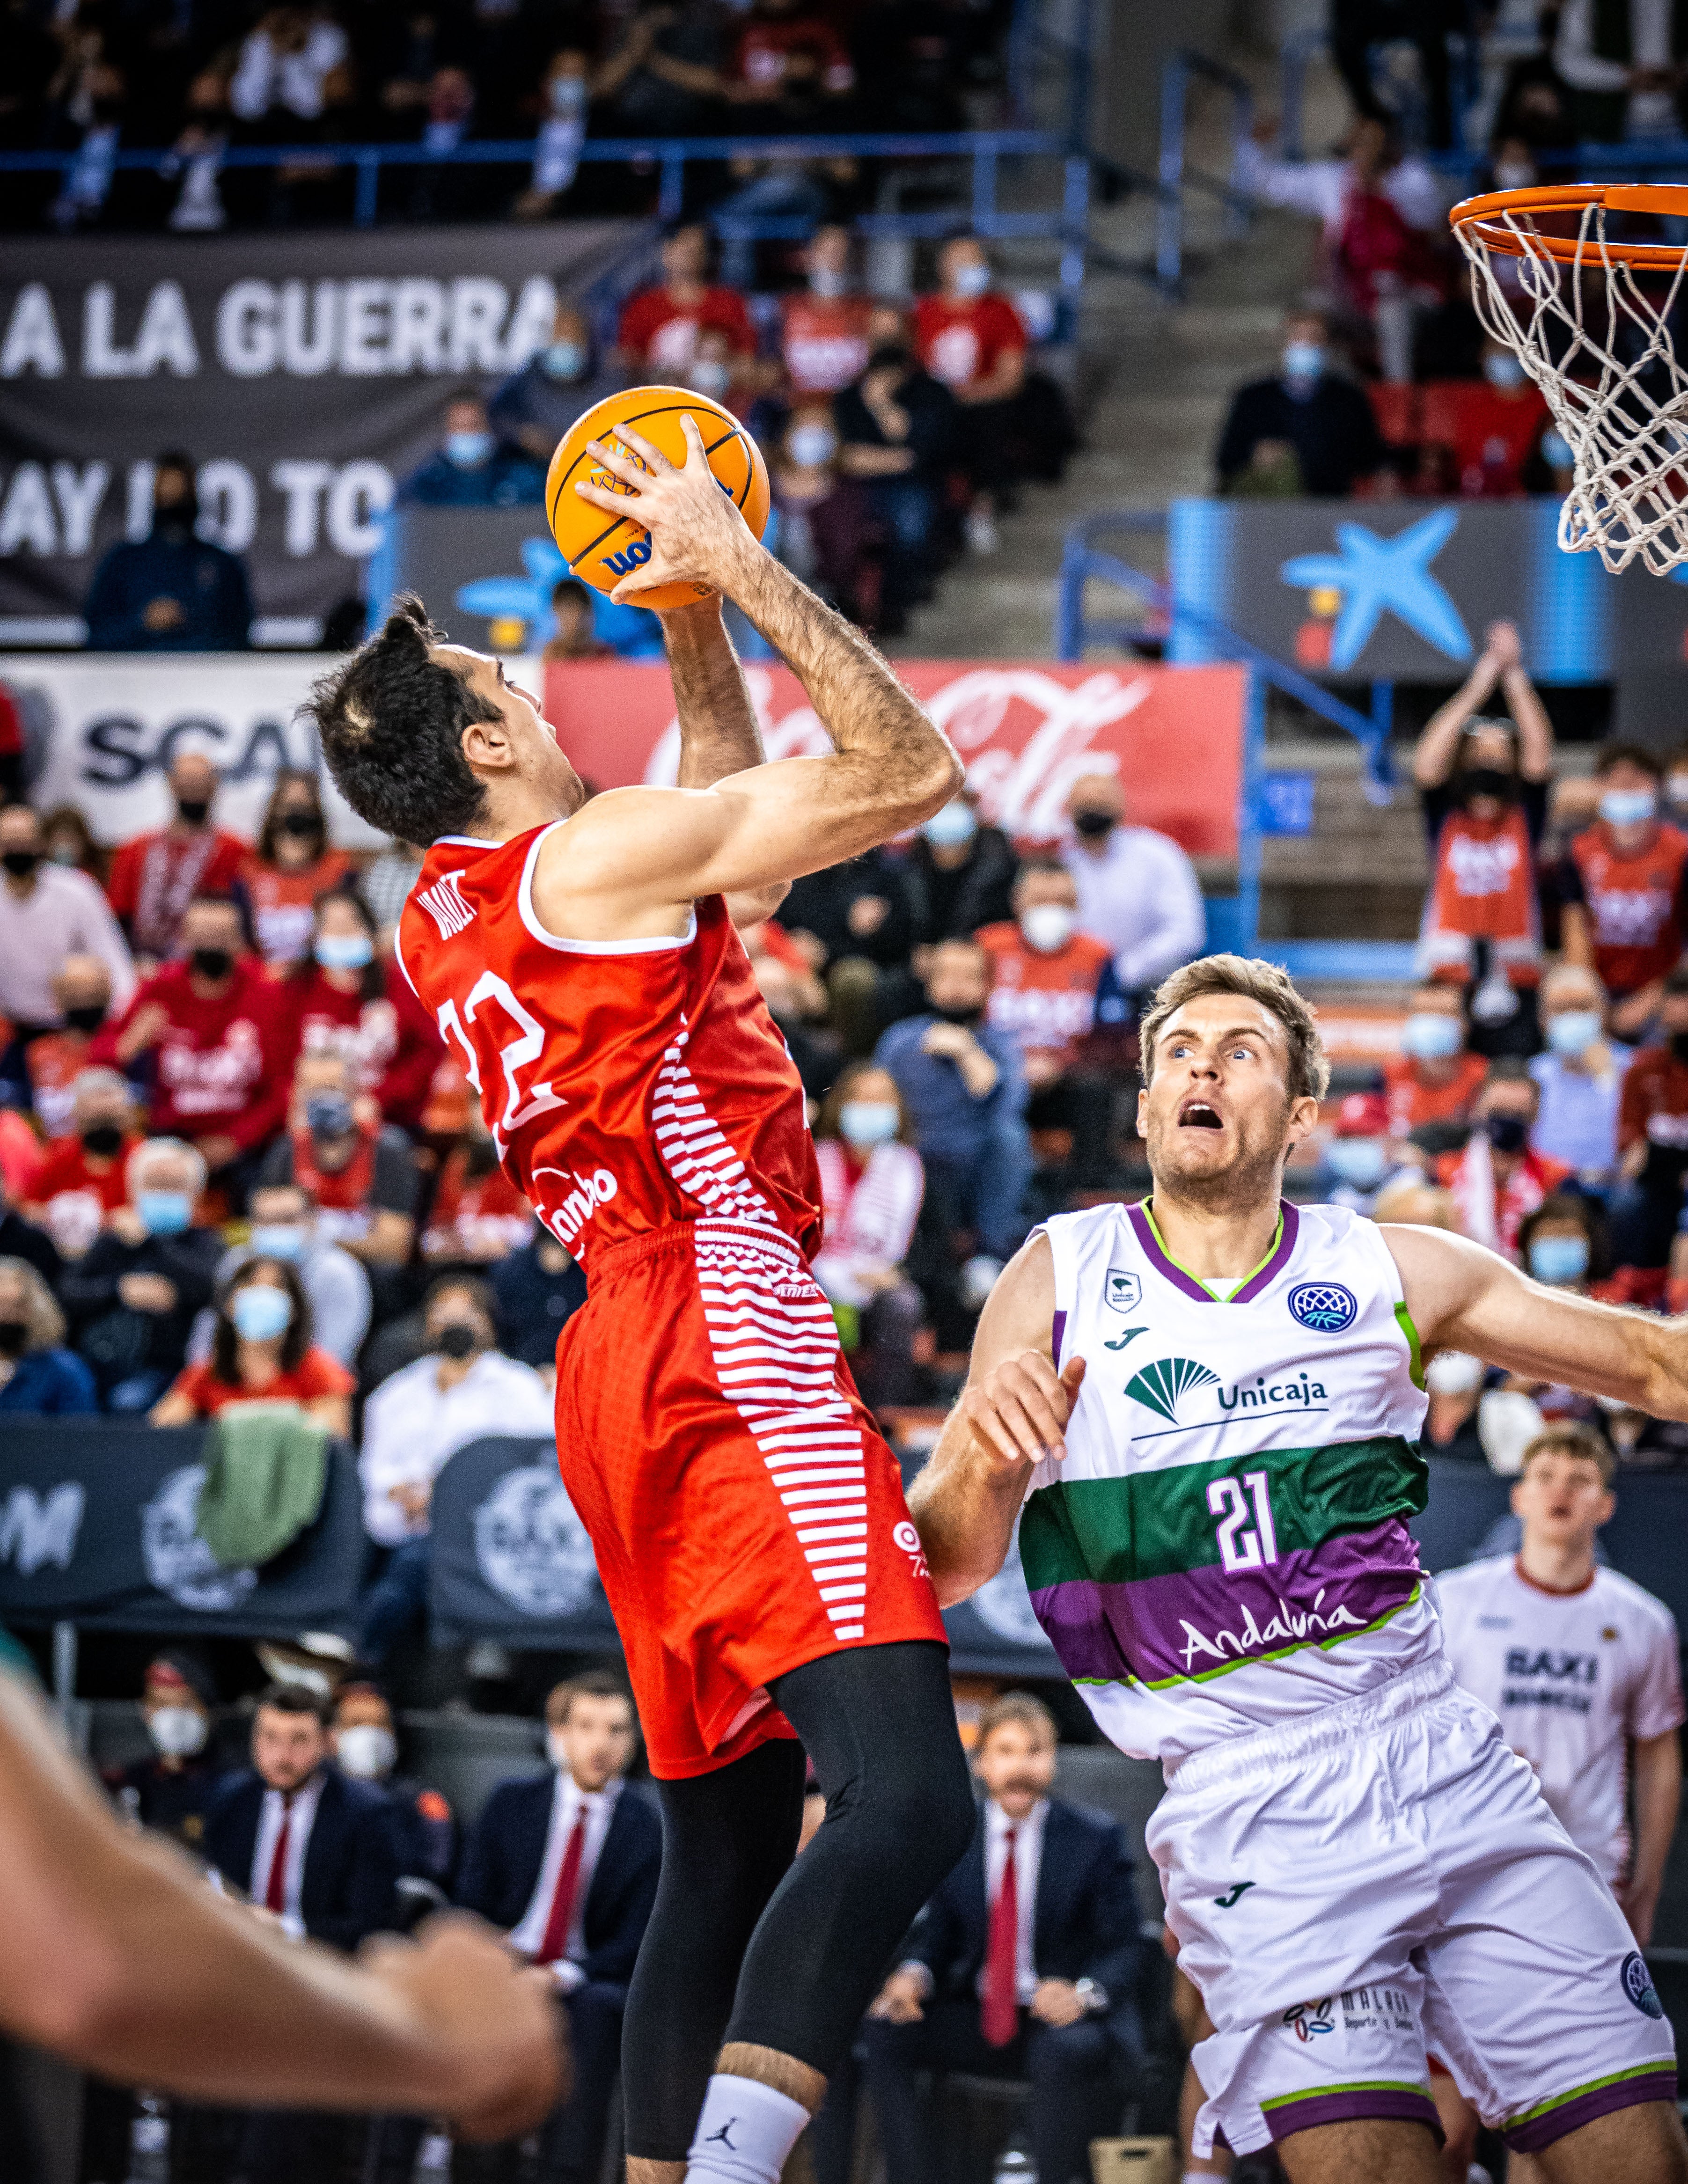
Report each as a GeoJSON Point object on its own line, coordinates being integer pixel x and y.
{"type": "Point", "coordinates": [1026, 730]}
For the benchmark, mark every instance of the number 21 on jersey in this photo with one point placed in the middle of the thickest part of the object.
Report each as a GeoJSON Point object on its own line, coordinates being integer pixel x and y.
{"type": "Point", "coordinates": [1243, 1545]}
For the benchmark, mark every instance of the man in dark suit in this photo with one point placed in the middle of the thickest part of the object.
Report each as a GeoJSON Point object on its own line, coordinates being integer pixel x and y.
{"type": "Point", "coordinates": [1023, 1964]}
{"type": "Point", "coordinates": [566, 1863]}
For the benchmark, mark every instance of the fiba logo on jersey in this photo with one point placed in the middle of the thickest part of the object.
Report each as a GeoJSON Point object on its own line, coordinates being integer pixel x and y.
{"type": "Point", "coordinates": [1323, 1307]}
{"type": "Point", "coordinates": [530, 1545]}
{"type": "Point", "coordinates": [178, 1560]}
{"type": "Point", "coordinates": [1639, 1986]}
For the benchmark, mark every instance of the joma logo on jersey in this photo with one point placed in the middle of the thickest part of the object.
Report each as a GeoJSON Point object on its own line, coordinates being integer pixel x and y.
{"type": "Point", "coordinates": [1162, 1386]}
{"type": "Point", "coordinates": [443, 902]}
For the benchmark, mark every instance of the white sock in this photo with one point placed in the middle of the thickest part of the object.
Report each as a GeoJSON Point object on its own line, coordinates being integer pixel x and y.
{"type": "Point", "coordinates": [744, 2133]}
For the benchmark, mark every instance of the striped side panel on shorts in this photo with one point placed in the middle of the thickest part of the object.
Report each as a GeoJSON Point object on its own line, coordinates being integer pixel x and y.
{"type": "Point", "coordinates": [775, 1347]}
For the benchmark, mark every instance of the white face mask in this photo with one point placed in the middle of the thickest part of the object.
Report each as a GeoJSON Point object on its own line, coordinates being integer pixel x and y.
{"type": "Point", "coordinates": [1452, 1373]}
{"type": "Point", "coordinates": [1503, 372]}
{"type": "Point", "coordinates": [813, 446]}
{"type": "Point", "coordinates": [178, 1731]}
{"type": "Point", "coordinates": [826, 281]}
{"type": "Point", "coordinates": [366, 1750]}
{"type": "Point", "coordinates": [1047, 926]}
{"type": "Point", "coordinates": [708, 375]}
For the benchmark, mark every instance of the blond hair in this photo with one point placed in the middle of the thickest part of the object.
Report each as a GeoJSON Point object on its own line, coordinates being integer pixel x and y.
{"type": "Point", "coordinates": [1308, 1075]}
{"type": "Point", "coordinates": [1567, 1438]}
{"type": "Point", "coordinates": [1021, 1706]}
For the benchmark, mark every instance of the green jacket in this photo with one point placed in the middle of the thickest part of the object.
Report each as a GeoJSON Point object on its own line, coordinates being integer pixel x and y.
{"type": "Point", "coordinates": [266, 1465]}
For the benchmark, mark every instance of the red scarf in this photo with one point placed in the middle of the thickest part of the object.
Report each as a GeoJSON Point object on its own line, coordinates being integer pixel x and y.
{"type": "Point", "coordinates": [343, 1190]}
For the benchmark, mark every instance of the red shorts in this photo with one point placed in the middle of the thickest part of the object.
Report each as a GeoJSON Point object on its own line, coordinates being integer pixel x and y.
{"type": "Point", "coordinates": [746, 1515]}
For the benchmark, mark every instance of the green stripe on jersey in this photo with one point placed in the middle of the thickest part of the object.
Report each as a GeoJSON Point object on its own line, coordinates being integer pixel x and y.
{"type": "Point", "coordinates": [1155, 1524]}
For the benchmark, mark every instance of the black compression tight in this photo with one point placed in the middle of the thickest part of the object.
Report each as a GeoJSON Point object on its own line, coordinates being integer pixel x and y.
{"type": "Point", "coordinates": [746, 1945]}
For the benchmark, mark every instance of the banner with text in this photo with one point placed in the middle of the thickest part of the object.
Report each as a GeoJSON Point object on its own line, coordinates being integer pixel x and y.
{"type": "Point", "coordinates": [304, 372]}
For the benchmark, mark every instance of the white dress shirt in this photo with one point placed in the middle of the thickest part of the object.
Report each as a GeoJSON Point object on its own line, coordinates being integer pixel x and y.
{"type": "Point", "coordinates": [411, 1427]}
{"type": "Point", "coordinates": [303, 1815]}
{"type": "Point", "coordinates": [1142, 900]}
{"type": "Point", "coordinates": [1028, 1857]}
{"type": "Point", "coordinates": [567, 1802]}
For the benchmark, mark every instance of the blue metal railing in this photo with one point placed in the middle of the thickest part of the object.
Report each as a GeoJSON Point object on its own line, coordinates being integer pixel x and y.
{"type": "Point", "coordinates": [1177, 72]}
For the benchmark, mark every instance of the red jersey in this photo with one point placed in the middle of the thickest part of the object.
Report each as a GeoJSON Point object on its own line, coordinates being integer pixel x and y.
{"type": "Point", "coordinates": [1637, 913]}
{"type": "Point", "coordinates": [470, 1210]}
{"type": "Point", "coordinates": [628, 1086]}
{"type": "Point", "coordinates": [1047, 1001]}
{"type": "Point", "coordinates": [765, 50]}
{"type": "Point", "coordinates": [316, 1374]}
{"type": "Point", "coordinates": [54, 1061]}
{"type": "Point", "coordinates": [155, 876]}
{"type": "Point", "coordinates": [220, 1067]}
{"type": "Point", "coordinates": [960, 342]}
{"type": "Point", "coordinates": [389, 1041]}
{"type": "Point", "coordinates": [824, 341]}
{"type": "Point", "coordinates": [1413, 1103]}
{"type": "Point", "coordinates": [1491, 436]}
{"type": "Point", "coordinates": [1653, 1105]}
{"type": "Point", "coordinates": [71, 1199]}
{"type": "Point", "coordinates": [661, 336]}
{"type": "Point", "coordinates": [281, 901]}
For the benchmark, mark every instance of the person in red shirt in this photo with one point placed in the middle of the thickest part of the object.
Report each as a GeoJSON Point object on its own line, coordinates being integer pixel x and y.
{"type": "Point", "coordinates": [824, 337]}
{"type": "Point", "coordinates": [785, 39]}
{"type": "Point", "coordinates": [262, 1352]}
{"type": "Point", "coordinates": [1623, 887]}
{"type": "Point", "coordinates": [57, 1059]}
{"type": "Point", "coordinates": [1500, 1179]}
{"type": "Point", "coordinates": [1435, 1078]}
{"type": "Point", "coordinates": [217, 1034]}
{"type": "Point", "coordinates": [971, 338]}
{"type": "Point", "coordinates": [155, 876]}
{"type": "Point", "coordinates": [660, 326]}
{"type": "Point", "coordinates": [479, 1216]}
{"type": "Point", "coordinates": [291, 865]}
{"type": "Point", "coordinates": [85, 1175]}
{"type": "Point", "coordinates": [1652, 1137]}
{"type": "Point", "coordinates": [1489, 429]}
{"type": "Point", "coordinates": [348, 1002]}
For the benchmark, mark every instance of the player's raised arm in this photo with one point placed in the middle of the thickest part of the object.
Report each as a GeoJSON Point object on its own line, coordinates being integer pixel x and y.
{"type": "Point", "coordinates": [1010, 1416]}
{"type": "Point", "coordinates": [1462, 1296]}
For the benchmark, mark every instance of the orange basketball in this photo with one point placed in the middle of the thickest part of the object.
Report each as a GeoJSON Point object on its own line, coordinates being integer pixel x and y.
{"type": "Point", "coordinates": [601, 549]}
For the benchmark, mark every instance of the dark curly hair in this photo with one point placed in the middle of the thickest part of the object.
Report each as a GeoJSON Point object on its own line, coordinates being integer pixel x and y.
{"type": "Point", "coordinates": [391, 722]}
{"type": "Point", "coordinates": [225, 1339]}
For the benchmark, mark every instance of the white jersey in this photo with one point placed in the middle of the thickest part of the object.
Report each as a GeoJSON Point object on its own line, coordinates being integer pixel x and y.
{"type": "Point", "coordinates": [1573, 1676]}
{"type": "Point", "coordinates": [1224, 1547]}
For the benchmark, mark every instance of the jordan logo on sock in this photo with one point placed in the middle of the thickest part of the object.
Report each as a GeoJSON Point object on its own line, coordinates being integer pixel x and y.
{"type": "Point", "coordinates": [723, 2137]}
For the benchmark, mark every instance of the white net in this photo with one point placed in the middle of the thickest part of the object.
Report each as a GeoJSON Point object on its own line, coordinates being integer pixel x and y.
{"type": "Point", "coordinates": [1594, 332]}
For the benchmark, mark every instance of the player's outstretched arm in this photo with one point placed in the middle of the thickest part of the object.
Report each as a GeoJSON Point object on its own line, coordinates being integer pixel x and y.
{"type": "Point", "coordinates": [718, 730]}
{"type": "Point", "coordinates": [1463, 1297]}
{"type": "Point", "coordinates": [116, 1954]}
{"type": "Point", "coordinates": [1010, 1417]}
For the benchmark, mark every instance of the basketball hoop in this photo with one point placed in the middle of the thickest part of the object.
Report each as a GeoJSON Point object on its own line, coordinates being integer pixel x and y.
{"type": "Point", "coordinates": [1588, 315]}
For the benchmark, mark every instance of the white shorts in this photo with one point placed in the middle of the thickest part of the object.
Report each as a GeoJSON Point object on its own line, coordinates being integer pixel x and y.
{"type": "Point", "coordinates": [1384, 1881]}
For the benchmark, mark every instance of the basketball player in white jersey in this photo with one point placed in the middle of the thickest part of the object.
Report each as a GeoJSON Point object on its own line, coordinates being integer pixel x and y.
{"type": "Point", "coordinates": [1582, 1667]}
{"type": "Point", "coordinates": [1209, 1406]}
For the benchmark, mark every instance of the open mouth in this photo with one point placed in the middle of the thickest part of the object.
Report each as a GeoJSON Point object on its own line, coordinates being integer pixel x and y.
{"type": "Point", "coordinates": [1199, 1115]}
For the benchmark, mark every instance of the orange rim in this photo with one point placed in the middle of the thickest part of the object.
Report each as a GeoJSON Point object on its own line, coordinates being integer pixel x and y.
{"type": "Point", "coordinates": [1482, 219]}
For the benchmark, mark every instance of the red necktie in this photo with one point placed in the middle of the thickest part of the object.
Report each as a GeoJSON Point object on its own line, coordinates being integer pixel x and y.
{"type": "Point", "coordinates": [1000, 2017]}
{"type": "Point", "coordinates": [275, 1889]}
{"type": "Point", "coordinates": [556, 1941]}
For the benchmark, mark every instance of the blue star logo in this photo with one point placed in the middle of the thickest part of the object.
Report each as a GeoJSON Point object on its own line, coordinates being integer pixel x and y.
{"type": "Point", "coordinates": [523, 599]}
{"type": "Point", "coordinates": [1374, 574]}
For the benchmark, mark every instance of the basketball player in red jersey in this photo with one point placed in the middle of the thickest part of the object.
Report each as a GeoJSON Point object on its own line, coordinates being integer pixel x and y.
{"type": "Point", "coordinates": [748, 1519]}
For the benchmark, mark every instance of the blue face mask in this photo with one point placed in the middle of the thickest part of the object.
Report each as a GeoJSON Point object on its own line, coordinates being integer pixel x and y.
{"type": "Point", "coordinates": [1303, 360]}
{"type": "Point", "coordinates": [1556, 1260]}
{"type": "Point", "coordinates": [277, 1242]}
{"type": "Point", "coordinates": [1574, 1031]}
{"type": "Point", "coordinates": [163, 1212]}
{"type": "Point", "coordinates": [971, 279]}
{"type": "Point", "coordinates": [564, 360]}
{"type": "Point", "coordinates": [868, 1122]}
{"type": "Point", "coordinates": [1360, 1161]}
{"type": "Point", "coordinates": [260, 1312]}
{"type": "Point", "coordinates": [469, 450]}
{"type": "Point", "coordinates": [1428, 1037]}
{"type": "Point", "coordinates": [1628, 807]}
{"type": "Point", "coordinates": [949, 828]}
{"type": "Point", "coordinates": [344, 952]}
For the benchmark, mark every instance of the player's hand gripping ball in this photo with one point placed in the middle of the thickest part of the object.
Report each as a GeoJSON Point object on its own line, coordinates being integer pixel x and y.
{"type": "Point", "coordinates": [604, 550]}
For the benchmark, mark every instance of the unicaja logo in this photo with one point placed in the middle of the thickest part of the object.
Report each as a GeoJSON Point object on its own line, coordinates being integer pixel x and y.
{"type": "Point", "coordinates": [1158, 1386]}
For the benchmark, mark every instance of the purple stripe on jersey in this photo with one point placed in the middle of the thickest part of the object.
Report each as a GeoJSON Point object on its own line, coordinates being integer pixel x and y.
{"type": "Point", "coordinates": [1054, 1344]}
{"type": "Point", "coordinates": [1189, 1623]}
{"type": "Point", "coordinates": [1138, 1217]}
{"type": "Point", "coordinates": [1280, 1257]}
{"type": "Point", "coordinates": [1659, 2085]}
{"type": "Point", "coordinates": [1347, 2105]}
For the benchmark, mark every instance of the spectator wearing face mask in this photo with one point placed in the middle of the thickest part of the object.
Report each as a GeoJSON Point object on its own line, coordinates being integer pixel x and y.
{"type": "Point", "coordinates": [169, 1790]}
{"type": "Point", "coordinates": [536, 406]}
{"type": "Point", "coordinates": [215, 1033]}
{"type": "Point", "coordinates": [262, 1351]}
{"type": "Point", "coordinates": [66, 837]}
{"type": "Point", "coordinates": [463, 1389]}
{"type": "Point", "coordinates": [1305, 430]}
{"type": "Point", "coordinates": [82, 995]}
{"type": "Point", "coordinates": [959, 874]}
{"type": "Point", "coordinates": [173, 591]}
{"type": "Point", "coordinates": [472, 469]}
{"type": "Point", "coordinates": [971, 338]}
{"type": "Point", "coordinates": [360, 1171]}
{"type": "Point", "coordinates": [565, 99]}
{"type": "Point", "coordinates": [478, 1216]}
{"type": "Point", "coordinates": [292, 866]}
{"type": "Point", "coordinates": [48, 915]}
{"type": "Point", "coordinates": [364, 1739]}
{"type": "Point", "coordinates": [1581, 1076]}
{"type": "Point", "coordinates": [897, 427]}
{"type": "Point", "coordinates": [1043, 974]}
{"type": "Point", "coordinates": [828, 535]}
{"type": "Point", "coordinates": [1137, 892]}
{"type": "Point", "coordinates": [346, 1001]}
{"type": "Point", "coordinates": [1362, 1154]}
{"type": "Point", "coordinates": [1653, 1136]}
{"type": "Point", "coordinates": [658, 336]}
{"type": "Point", "coordinates": [961, 1081]}
{"type": "Point", "coordinates": [1490, 431]}
{"type": "Point", "coordinates": [1498, 1180]}
{"type": "Point", "coordinates": [1435, 1078]}
{"type": "Point", "coordinates": [37, 1373]}
{"type": "Point", "coordinates": [283, 1218]}
{"type": "Point", "coordinates": [84, 1176]}
{"type": "Point", "coordinates": [872, 1184]}
{"type": "Point", "coordinates": [824, 341]}
{"type": "Point", "coordinates": [132, 1301]}
{"type": "Point", "coordinates": [155, 876]}
{"type": "Point", "coordinates": [1623, 887]}
{"type": "Point", "coordinates": [1483, 785]}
